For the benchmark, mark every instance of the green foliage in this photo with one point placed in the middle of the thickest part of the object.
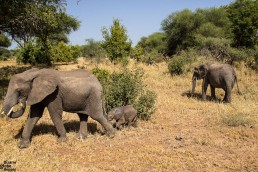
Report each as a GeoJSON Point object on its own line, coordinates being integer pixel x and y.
{"type": "Point", "coordinates": [156, 42]}
{"type": "Point", "coordinates": [116, 41]}
{"type": "Point", "coordinates": [5, 54]}
{"type": "Point", "coordinates": [45, 20]}
{"type": "Point", "coordinates": [64, 53]}
{"type": "Point", "coordinates": [179, 29]}
{"type": "Point", "coordinates": [137, 53]}
{"type": "Point", "coordinates": [6, 73]}
{"type": "Point", "coordinates": [145, 105]}
{"type": "Point", "coordinates": [244, 14]}
{"type": "Point", "coordinates": [177, 65]}
{"type": "Point", "coordinates": [186, 29]}
{"type": "Point", "coordinates": [125, 88]}
{"type": "Point", "coordinates": [103, 76]}
{"type": "Point", "coordinates": [92, 49]}
{"type": "Point", "coordinates": [4, 41]}
{"type": "Point", "coordinates": [33, 53]}
{"type": "Point", "coordinates": [152, 57]}
{"type": "Point", "coordinates": [30, 53]}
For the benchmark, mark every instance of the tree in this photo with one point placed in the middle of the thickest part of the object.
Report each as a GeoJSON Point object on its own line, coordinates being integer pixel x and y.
{"type": "Point", "coordinates": [92, 49]}
{"type": "Point", "coordinates": [179, 27]}
{"type": "Point", "coordinates": [116, 41]}
{"type": "Point", "coordinates": [244, 17]}
{"type": "Point", "coordinates": [155, 41]}
{"type": "Point", "coordinates": [186, 29]}
{"type": "Point", "coordinates": [43, 19]}
{"type": "Point", "coordinates": [4, 41]}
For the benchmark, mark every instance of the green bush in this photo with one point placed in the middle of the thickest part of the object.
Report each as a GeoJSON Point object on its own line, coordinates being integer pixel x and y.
{"type": "Point", "coordinates": [145, 105]}
{"type": "Point", "coordinates": [63, 53]}
{"type": "Point", "coordinates": [33, 53]}
{"type": "Point", "coordinates": [30, 53]}
{"type": "Point", "coordinates": [176, 65]}
{"type": "Point", "coordinates": [5, 53]}
{"type": "Point", "coordinates": [125, 88]}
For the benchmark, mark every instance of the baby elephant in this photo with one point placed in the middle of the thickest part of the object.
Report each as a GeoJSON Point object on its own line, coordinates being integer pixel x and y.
{"type": "Point", "coordinates": [125, 115]}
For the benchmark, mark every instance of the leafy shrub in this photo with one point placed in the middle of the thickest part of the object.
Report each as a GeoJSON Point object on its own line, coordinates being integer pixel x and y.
{"type": "Point", "coordinates": [150, 57]}
{"type": "Point", "coordinates": [33, 53]}
{"type": "Point", "coordinates": [5, 53]}
{"type": "Point", "coordinates": [30, 53]}
{"type": "Point", "coordinates": [125, 88]}
{"type": "Point", "coordinates": [175, 66]}
{"type": "Point", "coordinates": [63, 53]}
{"type": "Point", "coordinates": [145, 105]}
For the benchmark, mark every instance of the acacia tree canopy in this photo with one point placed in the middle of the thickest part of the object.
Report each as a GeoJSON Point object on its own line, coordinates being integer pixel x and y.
{"type": "Point", "coordinates": [43, 19]}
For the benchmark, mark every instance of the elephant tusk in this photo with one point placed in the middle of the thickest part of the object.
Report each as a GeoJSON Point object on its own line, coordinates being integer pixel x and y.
{"type": "Point", "coordinates": [10, 111]}
{"type": "Point", "coordinates": [2, 113]}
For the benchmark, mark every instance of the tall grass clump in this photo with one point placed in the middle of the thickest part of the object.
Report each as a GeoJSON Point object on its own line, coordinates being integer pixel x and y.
{"type": "Point", "coordinates": [124, 88]}
{"type": "Point", "coordinates": [238, 119]}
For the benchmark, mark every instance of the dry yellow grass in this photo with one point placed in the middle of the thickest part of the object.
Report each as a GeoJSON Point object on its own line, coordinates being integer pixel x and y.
{"type": "Point", "coordinates": [207, 143]}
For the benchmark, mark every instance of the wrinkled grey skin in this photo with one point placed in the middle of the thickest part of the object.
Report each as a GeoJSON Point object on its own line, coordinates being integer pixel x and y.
{"type": "Point", "coordinates": [125, 115]}
{"type": "Point", "coordinates": [75, 91]}
{"type": "Point", "coordinates": [217, 76]}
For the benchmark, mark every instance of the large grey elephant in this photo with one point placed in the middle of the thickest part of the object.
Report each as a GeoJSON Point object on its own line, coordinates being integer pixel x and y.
{"type": "Point", "coordinates": [124, 115]}
{"type": "Point", "coordinates": [217, 76]}
{"type": "Point", "coordinates": [76, 91]}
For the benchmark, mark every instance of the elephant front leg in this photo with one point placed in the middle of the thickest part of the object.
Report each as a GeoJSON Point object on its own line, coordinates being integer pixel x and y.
{"type": "Point", "coordinates": [56, 111]}
{"type": "Point", "coordinates": [213, 96]}
{"type": "Point", "coordinates": [204, 89]}
{"type": "Point", "coordinates": [83, 132]}
{"type": "Point", "coordinates": [120, 122]}
{"type": "Point", "coordinates": [34, 115]}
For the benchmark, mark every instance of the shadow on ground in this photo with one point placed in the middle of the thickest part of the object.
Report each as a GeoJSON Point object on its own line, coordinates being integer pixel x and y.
{"type": "Point", "coordinates": [72, 126]}
{"type": "Point", "coordinates": [198, 96]}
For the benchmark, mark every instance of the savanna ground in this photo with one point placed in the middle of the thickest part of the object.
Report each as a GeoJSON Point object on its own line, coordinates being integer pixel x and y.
{"type": "Point", "coordinates": [215, 136]}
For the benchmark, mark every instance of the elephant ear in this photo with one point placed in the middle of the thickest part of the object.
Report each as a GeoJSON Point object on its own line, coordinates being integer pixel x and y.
{"type": "Point", "coordinates": [42, 86]}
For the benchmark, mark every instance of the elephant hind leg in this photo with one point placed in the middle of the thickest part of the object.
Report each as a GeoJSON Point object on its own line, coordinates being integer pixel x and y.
{"type": "Point", "coordinates": [227, 97]}
{"type": "Point", "coordinates": [110, 131]}
{"type": "Point", "coordinates": [95, 110]}
{"type": "Point", "coordinates": [83, 131]}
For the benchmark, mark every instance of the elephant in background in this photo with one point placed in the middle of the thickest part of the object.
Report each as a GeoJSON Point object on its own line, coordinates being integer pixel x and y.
{"type": "Point", "coordinates": [75, 91]}
{"type": "Point", "coordinates": [217, 76]}
{"type": "Point", "coordinates": [124, 115]}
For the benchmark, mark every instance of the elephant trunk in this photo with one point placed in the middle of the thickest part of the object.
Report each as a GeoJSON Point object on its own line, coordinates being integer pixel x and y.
{"type": "Point", "coordinates": [14, 111]}
{"type": "Point", "coordinates": [193, 84]}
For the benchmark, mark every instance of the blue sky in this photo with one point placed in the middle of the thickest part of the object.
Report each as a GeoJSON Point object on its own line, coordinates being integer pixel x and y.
{"type": "Point", "coordinates": [140, 17]}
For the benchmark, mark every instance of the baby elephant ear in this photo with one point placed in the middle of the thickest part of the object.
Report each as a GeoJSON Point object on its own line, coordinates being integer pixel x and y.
{"type": "Point", "coordinates": [42, 86]}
